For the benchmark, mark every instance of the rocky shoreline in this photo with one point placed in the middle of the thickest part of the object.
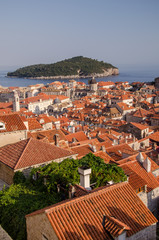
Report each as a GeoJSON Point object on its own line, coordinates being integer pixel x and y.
{"type": "Point", "coordinates": [109, 72]}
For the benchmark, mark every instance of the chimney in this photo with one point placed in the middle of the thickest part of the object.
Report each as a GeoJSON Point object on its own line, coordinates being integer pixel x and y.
{"type": "Point", "coordinates": [93, 147]}
{"type": "Point", "coordinates": [145, 188]}
{"type": "Point", "coordinates": [56, 139]}
{"type": "Point", "coordinates": [140, 157]}
{"type": "Point", "coordinates": [74, 140]}
{"type": "Point", "coordinates": [103, 148]}
{"type": "Point", "coordinates": [147, 165]}
{"type": "Point", "coordinates": [98, 133]}
{"type": "Point", "coordinates": [85, 173]}
{"type": "Point", "coordinates": [115, 142]}
{"type": "Point", "coordinates": [154, 146]}
{"type": "Point", "coordinates": [72, 191]}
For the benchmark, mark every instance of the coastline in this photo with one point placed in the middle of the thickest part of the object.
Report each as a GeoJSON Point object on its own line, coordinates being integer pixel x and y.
{"type": "Point", "coordinates": [138, 73]}
{"type": "Point", "coordinates": [109, 72]}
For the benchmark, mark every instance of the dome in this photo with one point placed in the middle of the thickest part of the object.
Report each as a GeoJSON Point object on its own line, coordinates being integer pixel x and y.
{"type": "Point", "coordinates": [57, 100]}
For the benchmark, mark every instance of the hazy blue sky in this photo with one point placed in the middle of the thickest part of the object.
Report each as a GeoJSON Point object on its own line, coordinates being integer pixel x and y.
{"type": "Point", "coordinates": [45, 31]}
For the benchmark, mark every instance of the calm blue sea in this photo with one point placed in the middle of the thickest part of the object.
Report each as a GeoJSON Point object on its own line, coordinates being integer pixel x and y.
{"type": "Point", "coordinates": [127, 73]}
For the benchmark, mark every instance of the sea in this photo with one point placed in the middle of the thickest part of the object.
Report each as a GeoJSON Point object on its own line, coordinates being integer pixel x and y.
{"type": "Point", "coordinates": [130, 73]}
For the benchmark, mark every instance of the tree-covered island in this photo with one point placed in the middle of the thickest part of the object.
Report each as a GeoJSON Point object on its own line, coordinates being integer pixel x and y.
{"type": "Point", "coordinates": [76, 67]}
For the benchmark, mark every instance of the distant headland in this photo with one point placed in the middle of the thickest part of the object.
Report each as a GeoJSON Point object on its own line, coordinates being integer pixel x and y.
{"type": "Point", "coordinates": [76, 67]}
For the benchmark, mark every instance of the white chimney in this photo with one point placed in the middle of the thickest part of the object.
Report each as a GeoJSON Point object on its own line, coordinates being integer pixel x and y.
{"type": "Point", "coordinates": [140, 157]}
{"type": "Point", "coordinates": [85, 177]}
{"type": "Point", "coordinates": [103, 148]}
{"type": "Point", "coordinates": [147, 165]}
{"type": "Point", "coordinates": [94, 148]}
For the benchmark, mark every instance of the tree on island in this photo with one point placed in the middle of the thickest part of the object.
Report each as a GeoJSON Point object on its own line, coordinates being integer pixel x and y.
{"type": "Point", "coordinates": [81, 66]}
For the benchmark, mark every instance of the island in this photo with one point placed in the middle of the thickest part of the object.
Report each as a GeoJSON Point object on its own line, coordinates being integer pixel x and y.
{"type": "Point", "coordinates": [76, 67]}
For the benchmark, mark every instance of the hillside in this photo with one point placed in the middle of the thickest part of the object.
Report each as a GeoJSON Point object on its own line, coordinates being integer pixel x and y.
{"type": "Point", "coordinates": [73, 67]}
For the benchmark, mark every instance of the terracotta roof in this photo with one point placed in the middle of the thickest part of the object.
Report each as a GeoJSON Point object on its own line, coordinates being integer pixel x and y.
{"type": "Point", "coordinates": [154, 137]}
{"type": "Point", "coordinates": [104, 156]}
{"type": "Point", "coordinates": [139, 126]}
{"type": "Point", "coordinates": [133, 165]}
{"type": "Point", "coordinates": [141, 113]}
{"type": "Point", "coordinates": [79, 136]}
{"type": "Point", "coordinates": [13, 122]}
{"type": "Point", "coordinates": [53, 119]}
{"type": "Point", "coordinates": [49, 134]}
{"type": "Point", "coordinates": [82, 217]}
{"type": "Point", "coordinates": [82, 150]}
{"type": "Point", "coordinates": [43, 119]}
{"type": "Point", "coordinates": [116, 227]}
{"type": "Point", "coordinates": [154, 165]}
{"type": "Point", "coordinates": [30, 152]}
{"type": "Point", "coordinates": [117, 150]}
{"type": "Point", "coordinates": [6, 105]}
{"type": "Point", "coordinates": [5, 111]}
{"type": "Point", "coordinates": [125, 106]}
{"type": "Point", "coordinates": [42, 97]}
{"type": "Point", "coordinates": [134, 179]}
{"type": "Point", "coordinates": [33, 124]}
{"type": "Point", "coordinates": [101, 83]}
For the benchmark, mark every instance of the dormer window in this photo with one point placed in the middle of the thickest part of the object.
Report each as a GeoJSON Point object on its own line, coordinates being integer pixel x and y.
{"type": "Point", "coordinates": [2, 126]}
{"type": "Point", "coordinates": [141, 189]}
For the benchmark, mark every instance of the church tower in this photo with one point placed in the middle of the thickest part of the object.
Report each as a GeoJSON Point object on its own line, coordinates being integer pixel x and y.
{"type": "Point", "coordinates": [93, 84]}
{"type": "Point", "coordinates": [16, 104]}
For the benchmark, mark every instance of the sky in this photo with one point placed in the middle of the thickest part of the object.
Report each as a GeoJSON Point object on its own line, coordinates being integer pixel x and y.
{"type": "Point", "coordinates": [47, 31]}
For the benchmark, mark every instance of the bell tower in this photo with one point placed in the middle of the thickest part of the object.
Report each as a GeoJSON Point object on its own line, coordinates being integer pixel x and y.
{"type": "Point", "coordinates": [16, 104]}
{"type": "Point", "coordinates": [93, 84]}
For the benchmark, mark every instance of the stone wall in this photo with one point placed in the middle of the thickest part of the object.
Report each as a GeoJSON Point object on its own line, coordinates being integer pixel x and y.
{"type": "Point", "coordinates": [156, 172]}
{"type": "Point", "coordinates": [4, 235]}
{"type": "Point", "coordinates": [12, 137]}
{"type": "Point", "coordinates": [6, 173]}
{"type": "Point", "coordinates": [153, 199]}
{"type": "Point", "coordinates": [148, 233]}
{"type": "Point", "coordinates": [27, 170]}
{"type": "Point", "coordinates": [143, 197]}
{"type": "Point", "coordinates": [39, 228]}
{"type": "Point", "coordinates": [135, 145]}
{"type": "Point", "coordinates": [131, 118]}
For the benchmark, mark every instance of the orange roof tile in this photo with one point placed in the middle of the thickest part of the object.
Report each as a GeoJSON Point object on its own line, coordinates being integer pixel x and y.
{"type": "Point", "coordinates": [13, 122]}
{"type": "Point", "coordinates": [43, 119]}
{"type": "Point", "coordinates": [139, 126]}
{"type": "Point", "coordinates": [6, 105]}
{"type": "Point", "coordinates": [82, 217]}
{"type": "Point", "coordinates": [49, 134]}
{"type": "Point", "coordinates": [116, 227]}
{"type": "Point", "coordinates": [31, 152]}
{"type": "Point", "coordinates": [79, 136]}
{"type": "Point", "coordinates": [33, 124]}
{"type": "Point", "coordinates": [141, 113]}
{"type": "Point", "coordinates": [133, 165]}
{"type": "Point", "coordinates": [119, 149]}
{"type": "Point", "coordinates": [154, 137]}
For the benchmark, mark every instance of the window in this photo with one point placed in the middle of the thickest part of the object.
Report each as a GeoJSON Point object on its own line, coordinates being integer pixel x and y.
{"type": "Point", "coordinates": [140, 190]}
{"type": "Point", "coordinates": [2, 126]}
